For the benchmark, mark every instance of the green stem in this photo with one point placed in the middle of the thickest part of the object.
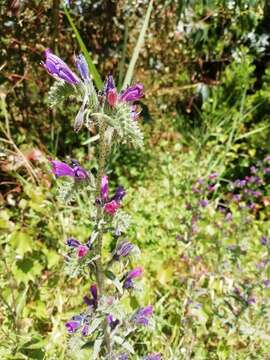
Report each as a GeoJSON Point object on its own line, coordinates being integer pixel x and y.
{"type": "Point", "coordinates": [100, 224]}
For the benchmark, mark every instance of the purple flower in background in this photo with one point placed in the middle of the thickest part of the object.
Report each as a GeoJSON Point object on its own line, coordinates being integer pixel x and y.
{"type": "Point", "coordinates": [266, 282]}
{"type": "Point", "coordinates": [94, 301]}
{"type": "Point", "coordinates": [253, 169]}
{"type": "Point", "coordinates": [122, 356]}
{"type": "Point", "coordinates": [153, 357]}
{"type": "Point", "coordinates": [264, 240]}
{"type": "Point", "coordinates": [203, 203]}
{"type": "Point", "coordinates": [251, 300]}
{"type": "Point", "coordinates": [132, 93]}
{"type": "Point", "coordinates": [240, 183]}
{"type": "Point", "coordinates": [59, 69]}
{"type": "Point", "coordinates": [141, 317]}
{"type": "Point", "coordinates": [128, 279]}
{"type": "Point", "coordinates": [82, 67]}
{"type": "Point", "coordinates": [112, 322]}
{"type": "Point", "coordinates": [71, 242]}
{"type": "Point", "coordinates": [213, 176]}
{"type": "Point", "coordinates": [267, 159]}
{"type": "Point", "coordinates": [73, 325]}
{"type": "Point", "coordinates": [123, 249]}
{"type": "Point", "coordinates": [228, 216]}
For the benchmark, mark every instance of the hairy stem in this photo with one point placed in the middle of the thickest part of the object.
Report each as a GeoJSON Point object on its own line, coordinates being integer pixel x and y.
{"type": "Point", "coordinates": [100, 225]}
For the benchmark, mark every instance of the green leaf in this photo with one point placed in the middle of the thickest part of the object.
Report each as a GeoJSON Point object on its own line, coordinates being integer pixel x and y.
{"type": "Point", "coordinates": [138, 46]}
{"type": "Point", "coordinates": [97, 348]}
{"type": "Point", "coordinates": [92, 68]}
{"type": "Point", "coordinates": [22, 242]}
{"type": "Point", "coordinates": [126, 345]}
{"type": "Point", "coordinates": [58, 92]}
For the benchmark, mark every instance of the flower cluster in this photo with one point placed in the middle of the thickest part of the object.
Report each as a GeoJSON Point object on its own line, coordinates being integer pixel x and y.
{"type": "Point", "coordinates": [104, 319]}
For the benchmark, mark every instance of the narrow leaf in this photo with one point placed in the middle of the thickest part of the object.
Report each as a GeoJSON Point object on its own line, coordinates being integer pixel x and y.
{"type": "Point", "coordinates": [138, 46]}
{"type": "Point", "coordinates": [92, 68]}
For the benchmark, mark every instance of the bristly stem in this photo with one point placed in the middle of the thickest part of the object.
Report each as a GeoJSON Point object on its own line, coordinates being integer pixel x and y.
{"type": "Point", "coordinates": [100, 225]}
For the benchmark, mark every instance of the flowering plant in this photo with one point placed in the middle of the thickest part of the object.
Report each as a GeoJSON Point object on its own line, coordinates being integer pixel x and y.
{"type": "Point", "coordinates": [104, 321]}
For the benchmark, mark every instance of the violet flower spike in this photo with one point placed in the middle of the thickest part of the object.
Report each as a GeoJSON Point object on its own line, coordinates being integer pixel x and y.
{"type": "Point", "coordinates": [142, 315]}
{"type": "Point", "coordinates": [71, 242]}
{"type": "Point", "coordinates": [109, 85]}
{"type": "Point", "coordinates": [72, 326]}
{"type": "Point", "coordinates": [60, 168]}
{"type": "Point", "coordinates": [119, 194]}
{"type": "Point", "coordinates": [112, 322]}
{"type": "Point", "coordinates": [80, 173]}
{"type": "Point", "coordinates": [122, 250]}
{"type": "Point", "coordinates": [104, 193]}
{"type": "Point", "coordinates": [82, 67]}
{"type": "Point", "coordinates": [94, 301]}
{"type": "Point", "coordinates": [128, 280]}
{"type": "Point", "coordinates": [132, 93]}
{"type": "Point", "coordinates": [57, 68]}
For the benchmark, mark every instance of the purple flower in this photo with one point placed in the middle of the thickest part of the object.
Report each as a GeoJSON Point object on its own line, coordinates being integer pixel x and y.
{"type": "Point", "coordinates": [73, 243]}
{"type": "Point", "coordinates": [128, 279]}
{"type": "Point", "coordinates": [228, 216]}
{"type": "Point", "coordinates": [213, 176]}
{"type": "Point", "coordinates": [112, 97]}
{"type": "Point", "coordinates": [240, 183]}
{"type": "Point", "coordinates": [59, 69]}
{"type": "Point", "coordinates": [73, 325]}
{"type": "Point", "coordinates": [153, 357]}
{"type": "Point", "coordinates": [104, 192]}
{"type": "Point", "coordinates": [264, 240]}
{"type": "Point", "coordinates": [80, 173]}
{"type": "Point", "coordinates": [266, 170]}
{"type": "Point", "coordinates": [134, 114]}
{"type": "Point", "coordinates": [122, 356]}
{"type": "Point", "coordinates": [253, 170]}
{"type": "Point", "coordinates": [112, 322]}
{"type": "Point", "coordinates": [82, 67]}
{"type": "Point", "coordinates": [141, 317]}
{"type": "Point", "coordinates": [82, 251]}
{"type": "Point", "coordinates": [132, 93]}
{"type": "Point", "coordinates": [122, 250]}
{"type": "Point", "coordinates": [85, 329]}
{"type": "Point", "coordinates": [251, 300]}
{"type": "Point", "coordinates": [203, 203]}
{"type": "Point", "coordinates": [60, 168]}
{"type": "Point", "coordinates": [109, 85]}
{"type": "Point", "coordinates": [119, 194]}
{"type": "Point", "coordinates": [267, 159]}
{"type": "Point", "coordinates": [94, 301]}
{"type": "Point", "coordinates": [111, 207]}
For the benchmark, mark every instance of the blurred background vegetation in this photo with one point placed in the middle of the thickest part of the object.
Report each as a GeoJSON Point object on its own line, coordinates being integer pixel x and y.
{"type": "Point", "coordinates": [205, 68]}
